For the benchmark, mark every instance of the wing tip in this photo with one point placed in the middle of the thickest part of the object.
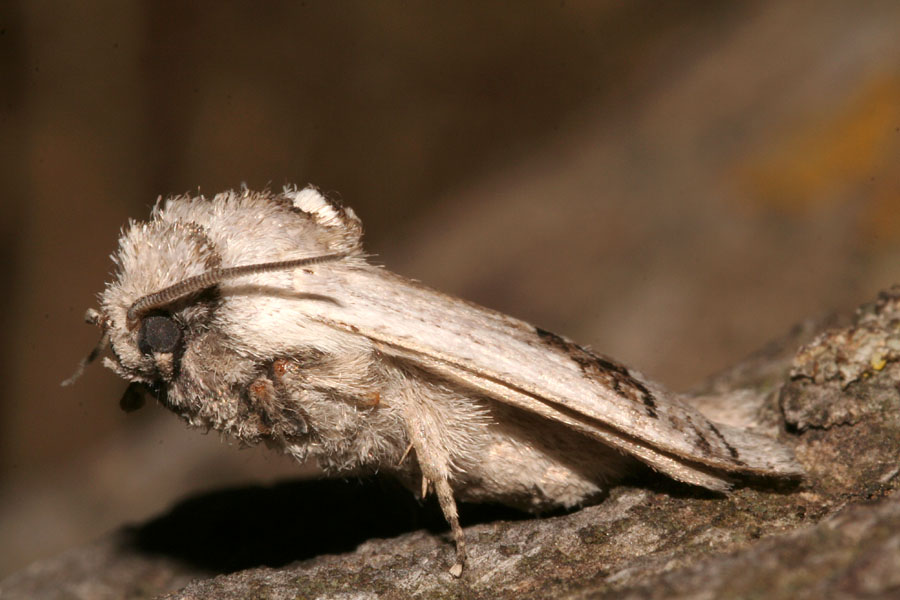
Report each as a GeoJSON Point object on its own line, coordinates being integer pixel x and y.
{"type": "Point", "coordinates": [757, 454]}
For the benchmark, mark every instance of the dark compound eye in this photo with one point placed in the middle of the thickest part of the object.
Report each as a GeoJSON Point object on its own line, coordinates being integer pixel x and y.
{"type": "Point", "coordinates": [159, 333]}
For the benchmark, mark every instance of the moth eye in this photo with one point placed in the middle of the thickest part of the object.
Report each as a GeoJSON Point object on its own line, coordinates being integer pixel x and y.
{"type": "Point", "coordinates": [159, 333]}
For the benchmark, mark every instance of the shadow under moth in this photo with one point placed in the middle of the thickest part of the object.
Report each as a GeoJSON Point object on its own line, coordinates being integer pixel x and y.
{"type": "Point", "coordinates": [258, 315]}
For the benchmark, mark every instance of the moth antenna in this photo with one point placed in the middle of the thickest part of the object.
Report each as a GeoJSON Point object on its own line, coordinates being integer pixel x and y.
{"type": "Point", "coordinates": [210, 278]}
{"type": "Point", "coordinates": [94, 318]}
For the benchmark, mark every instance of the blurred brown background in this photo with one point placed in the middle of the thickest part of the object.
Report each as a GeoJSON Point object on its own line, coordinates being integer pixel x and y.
{"type": "Point", "coordinates": [672, 183]}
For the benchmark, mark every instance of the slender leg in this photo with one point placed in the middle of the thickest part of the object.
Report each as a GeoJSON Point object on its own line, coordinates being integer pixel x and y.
{"type": "Point", "coordinates": [448, 507]}
{"type": "Point", "coordinates": [436, 474]}
{"type": "Point", "coordinates": [405, 454]}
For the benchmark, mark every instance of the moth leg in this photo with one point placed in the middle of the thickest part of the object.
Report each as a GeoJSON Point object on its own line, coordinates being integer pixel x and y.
{"type": "Point", "coordinates": [405, 454]}
{"type": "Point", "coordinates": [448, 507]}
{"type": "Point", "coordinates": [436, 473]}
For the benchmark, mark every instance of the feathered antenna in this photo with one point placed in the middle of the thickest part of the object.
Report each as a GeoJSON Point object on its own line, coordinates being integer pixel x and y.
{"type": "Point", "coordinates": [194, 284]}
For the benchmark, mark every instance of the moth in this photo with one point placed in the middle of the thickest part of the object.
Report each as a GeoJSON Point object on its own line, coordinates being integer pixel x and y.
{"type": "Point", "coordinates": [258, 314]}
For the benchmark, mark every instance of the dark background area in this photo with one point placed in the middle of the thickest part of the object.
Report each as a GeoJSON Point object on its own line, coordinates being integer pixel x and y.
{"type": "Point", "coordinates": [671, 183]}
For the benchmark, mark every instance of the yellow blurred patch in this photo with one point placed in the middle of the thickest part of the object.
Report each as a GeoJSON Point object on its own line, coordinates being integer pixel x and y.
{"type": "Point", "coordinates": [852, 152]}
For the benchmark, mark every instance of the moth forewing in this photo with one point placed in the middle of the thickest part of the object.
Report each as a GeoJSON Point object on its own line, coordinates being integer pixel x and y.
{"type": "Point", "coordinates": [532, 369]}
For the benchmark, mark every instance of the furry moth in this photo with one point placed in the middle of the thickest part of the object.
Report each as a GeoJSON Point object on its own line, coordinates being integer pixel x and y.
{"type": "Point", "coordinates": [258, 315]}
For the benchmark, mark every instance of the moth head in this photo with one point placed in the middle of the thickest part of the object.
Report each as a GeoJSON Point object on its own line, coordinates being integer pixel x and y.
{"type": "Point", "coordinates": [166, 290]}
